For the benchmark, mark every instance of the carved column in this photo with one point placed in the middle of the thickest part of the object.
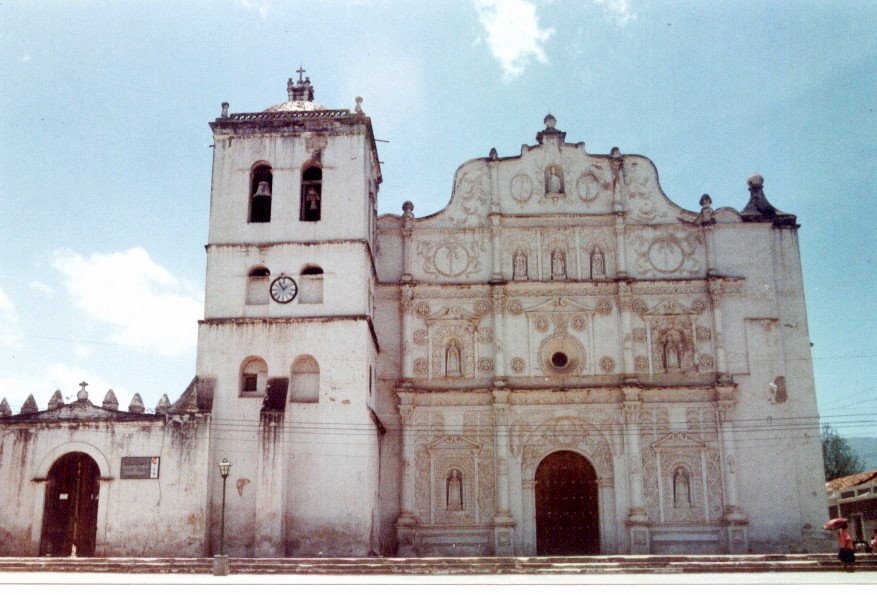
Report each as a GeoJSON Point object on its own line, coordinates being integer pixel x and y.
{"type": "Point", "coordinates": [620, 247]}
{"type": "Point", "coordinates": [637, 519]}
{"type": "Point", "coordinates": [715, 294]}
{"type": "Point", "coordinates": [406, 522]}
{"type": "Point", "coordinates": [625, 299]}
{"type": "Point", "coordinates": [734, 518]}
{"type": "Point", "coordinates": [496, 248]}
{"type": "Point", "coordinates": [406, 308]}
{"type": "Point", "coordinates": [528, 519]}
{"type": "Point", "coordinates": [499, 359]}
{"type": "Point", "coordinates": [616, 163]}
{"type": "Point", "coordinates": [503, 524]}
{"type": "Point", "coordinates": [407, 248]}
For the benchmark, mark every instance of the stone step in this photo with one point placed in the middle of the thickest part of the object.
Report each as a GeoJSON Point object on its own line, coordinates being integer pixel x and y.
{"type": "Point", "coordinates": [449, 566]}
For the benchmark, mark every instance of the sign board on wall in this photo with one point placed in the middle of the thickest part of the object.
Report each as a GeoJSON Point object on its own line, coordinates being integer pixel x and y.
{"type": "Point", "coordinates": [139, 468]}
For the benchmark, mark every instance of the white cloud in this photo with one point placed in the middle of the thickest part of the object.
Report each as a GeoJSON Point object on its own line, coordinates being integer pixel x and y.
{"type": "Point", "coordinates": [10, 334]}
{"type": "Point", "coordinates": [618, 11]}
{"type": "Point", "coordinates": [25, 58]}
{"type": "Point", "coordinates": [146, 306]}
{"type": "Point", "coordinates": [260, 7]}
{"type": "Point", "coordinates": [82, 351]}
{"type": "Point", "coordinates": [41, 287]}
{"type": "Point", "coordinates": [513, 34]}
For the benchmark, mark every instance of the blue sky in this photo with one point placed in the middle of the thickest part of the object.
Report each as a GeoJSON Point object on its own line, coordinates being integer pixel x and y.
{"type": "Point", "coordinates": [105, 159]}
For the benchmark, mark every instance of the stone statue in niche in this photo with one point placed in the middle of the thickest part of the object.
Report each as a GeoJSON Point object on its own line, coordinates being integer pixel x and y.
{"type": "Point", "coordinates": [553, 180]}
{"type": "Point", "coordinates": [598, 264]}
{"type": "Point", "coordinates": [452, 360]}
{"type": "Point", "coordinates": [681, 489]}
{"type": "Point", "coordinates": [454, 490]}
{"type": "Point", "coordinates": [520, 265]}
{"type": "Point", "coordinates": [672, 352]}
{"type": "Point", "coordinates": [558, 265]}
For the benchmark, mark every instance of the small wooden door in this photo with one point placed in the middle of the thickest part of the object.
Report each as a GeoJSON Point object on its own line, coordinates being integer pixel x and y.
{"type": "Point", "coordinates": [567, 510]}
{"type": "Point", "coordinates": [70, 511]}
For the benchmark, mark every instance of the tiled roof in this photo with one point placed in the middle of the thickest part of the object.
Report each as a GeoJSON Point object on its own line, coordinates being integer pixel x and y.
{"type": "Point", "coordinates": [851, 480]}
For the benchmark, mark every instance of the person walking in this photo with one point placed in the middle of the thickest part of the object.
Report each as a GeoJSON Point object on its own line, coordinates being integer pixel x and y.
{"type": "Point", "coordinates": [845, 552]}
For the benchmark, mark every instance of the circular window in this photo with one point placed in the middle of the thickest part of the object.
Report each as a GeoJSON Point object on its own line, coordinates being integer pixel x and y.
{"type": "Point", "coordinates": [559, 360]}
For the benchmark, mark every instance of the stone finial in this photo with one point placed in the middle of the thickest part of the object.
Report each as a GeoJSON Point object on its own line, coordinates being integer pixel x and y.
{"type": "Point", "coordinates": [56, 401]}
{"type": "Point", "coordinates": [550, 131]}
{"type": "Point", "coordinates": [82, 395]}
{"type": "Point", "coordinates": [163, 405]}
{"type": "Point", "coordinates": [493, 155]}
{"type": "Point", "coordinates": [408, 208]}
{"type": "Point", "coordinates": [30, 405]}
{"type": "Point", "coordinates": [615, 153]}
{"type": "Point", "coordinates": [706, 216]}
{"type": "Point", "coordinates": [5, 409]}
{"type": "Point", "coordinates": [110, 401]}
{"type": "Point", "coordinates": [758, 208]}
{"type": "Point", "coordinates": [224, 113]}
{"type": "Point", "coordinates": [136, 405]}
{"type": "Point", "coordinates": [358, 108]}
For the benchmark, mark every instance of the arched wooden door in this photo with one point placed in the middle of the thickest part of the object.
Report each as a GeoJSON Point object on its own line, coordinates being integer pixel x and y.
{"type": "Point", "coordinates": [70, 511]}
{"type": "Point", "coordinates": [567, 510]}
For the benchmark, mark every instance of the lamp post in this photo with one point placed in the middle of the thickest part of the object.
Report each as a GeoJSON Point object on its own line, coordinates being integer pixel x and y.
{"type": "Point", "coordinates": [220, 562]}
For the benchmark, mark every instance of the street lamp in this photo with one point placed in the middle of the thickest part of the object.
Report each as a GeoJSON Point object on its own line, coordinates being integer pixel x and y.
{"type": "Point", "coordinates": [220, 562]}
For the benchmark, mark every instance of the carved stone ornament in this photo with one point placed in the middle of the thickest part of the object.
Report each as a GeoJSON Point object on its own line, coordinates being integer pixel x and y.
{"type": "Point", "coordinates": [422, 309]}
{"type": "Point", "coordinates": [484, 334]}
{"type": "Point", "coordinates": [514, 307]}
{"type": "Point", "coordinates": [699, 305]}
{"type": "Point", "coordinates": [421, 367]}
{"type": "Point", "coordinates": [588, 187]}
{"type": "Point", "coordinates": [521, 187]}
{"type": "Point", "coordinates": [451, 258]}
{"type": "Point", "coordinates": [532, 443]}
{"type": "Point", "coordinates": [638, 306]}
{"type": "Point", "coordinates": [604, 307]}
{"type": "Point", "coordinates": [579, 323]}
{"type": "Point", "coordinates": [668, 252]}
{"type": "Point", "coordinates": [485, 364]}
{"type": "Point", "coordinates": [420, 337]}
{"type": "Point", "coordinates": [482, 307]}
{"type": "Point", "coordinates": [641, 363]}
{"type": "Point", "coordinates": [471, 196]}
{"type": "Point", "coordinates": [706, 361]}
{"type": "Point", "coordinates": [607, 364]}
{"type": "Point", "coordinates": [704, 333]}
{"type": "Point", "coordinates": [518, 365]}
{"type": "Point", "coordinates": [542, 325]}
{"type": "Point", "coordinates": [639, 335]}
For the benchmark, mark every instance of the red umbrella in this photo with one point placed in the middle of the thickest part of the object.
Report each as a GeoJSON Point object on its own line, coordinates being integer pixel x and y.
{"type": "Point", "coordinates": [835, 523]}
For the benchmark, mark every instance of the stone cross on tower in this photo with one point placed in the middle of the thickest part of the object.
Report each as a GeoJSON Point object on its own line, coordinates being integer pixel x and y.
{"type": "Point", "coordinates": [302, 90]}
{"type": "Point", "coordinates": [82, 395]}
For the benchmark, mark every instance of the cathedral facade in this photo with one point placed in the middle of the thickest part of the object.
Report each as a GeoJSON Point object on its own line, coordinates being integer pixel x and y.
{"type": "Point", "coordinates": [561, 361]}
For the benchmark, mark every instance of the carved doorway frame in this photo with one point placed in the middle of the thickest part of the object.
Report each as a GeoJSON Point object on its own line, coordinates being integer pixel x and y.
{"type": "Point", "coordinates": [605, 504]}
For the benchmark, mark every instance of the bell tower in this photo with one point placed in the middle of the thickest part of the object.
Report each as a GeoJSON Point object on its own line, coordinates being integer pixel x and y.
{"type": "Point", "coordinates": [288, 340]}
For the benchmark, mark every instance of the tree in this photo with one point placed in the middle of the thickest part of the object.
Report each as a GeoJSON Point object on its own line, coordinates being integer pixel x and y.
{"type": "Point", "coordinates": [837, 455]}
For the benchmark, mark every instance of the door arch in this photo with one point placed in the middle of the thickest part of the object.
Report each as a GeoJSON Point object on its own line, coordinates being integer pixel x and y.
{"type": "Point", "coordinates": [567, 506]}
{"type": "Point", "coordinates": [70, 509]}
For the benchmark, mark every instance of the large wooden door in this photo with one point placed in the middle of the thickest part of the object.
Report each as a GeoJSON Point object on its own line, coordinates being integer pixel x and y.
{"type": "Point", "coordinates": [70, 511]}
{"type": "Point", "coordinates": [567, 511]}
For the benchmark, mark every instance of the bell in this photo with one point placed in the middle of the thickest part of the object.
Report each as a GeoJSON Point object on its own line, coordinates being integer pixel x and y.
{"type": "Point", "coordinates": [263, 189]}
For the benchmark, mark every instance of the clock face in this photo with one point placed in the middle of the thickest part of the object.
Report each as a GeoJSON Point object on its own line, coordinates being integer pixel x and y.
{"type": "Point", "coordinates": [283, 290]}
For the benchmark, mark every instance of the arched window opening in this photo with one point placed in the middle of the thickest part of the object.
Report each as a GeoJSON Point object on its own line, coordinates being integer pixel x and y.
{"type": "Point", "coordinates": [311, 290]}
{"type": "Point", "coordinates": [305, 380]}
{"type": "Point", "coordinates": [260, 194]}
{"type": "Point", "coordinates": [311, 194]}
{"type": "Point", "coordinates": [257, 286]}
{"type": "Point", "coordinates": [254, 377]}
